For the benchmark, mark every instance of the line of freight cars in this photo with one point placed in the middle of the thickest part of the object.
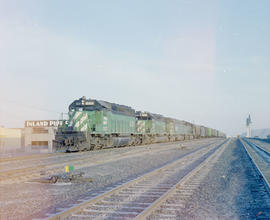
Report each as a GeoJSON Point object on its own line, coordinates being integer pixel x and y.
{"type": "Point", "coordinates": [95, 124]}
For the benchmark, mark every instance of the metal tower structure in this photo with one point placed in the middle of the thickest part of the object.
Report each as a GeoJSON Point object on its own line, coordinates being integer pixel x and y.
{"type": "Point", "coordinates": [248, 124]}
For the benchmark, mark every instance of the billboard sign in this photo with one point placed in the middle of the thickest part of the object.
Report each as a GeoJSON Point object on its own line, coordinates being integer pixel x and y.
{"type": "Point", "coordinates": [45, 123]}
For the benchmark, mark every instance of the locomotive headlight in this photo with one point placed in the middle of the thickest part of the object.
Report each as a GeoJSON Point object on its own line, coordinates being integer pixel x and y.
{"type": "Point", "coordinates": [89, 102]}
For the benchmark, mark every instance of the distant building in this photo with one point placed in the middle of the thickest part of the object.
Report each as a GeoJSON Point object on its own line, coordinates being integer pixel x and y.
{"type": "Point", "coordinates": [11, 139]}
{"type": "Point", "coordinates": [39, 135]}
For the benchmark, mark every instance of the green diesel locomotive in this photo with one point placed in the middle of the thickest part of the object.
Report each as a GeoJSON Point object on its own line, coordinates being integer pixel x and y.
{"type": "Point", "coordinates": [94, 124]}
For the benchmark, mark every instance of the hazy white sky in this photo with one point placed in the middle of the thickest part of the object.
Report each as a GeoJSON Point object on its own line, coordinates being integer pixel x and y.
{"type": "Point", "coordinates": [206, 62]}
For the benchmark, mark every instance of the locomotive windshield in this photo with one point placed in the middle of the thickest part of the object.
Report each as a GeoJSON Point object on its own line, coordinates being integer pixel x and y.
{"type": "Point", "coordinates": [97, 105]}
{"type": "Point", "coordinates": [84, 105]}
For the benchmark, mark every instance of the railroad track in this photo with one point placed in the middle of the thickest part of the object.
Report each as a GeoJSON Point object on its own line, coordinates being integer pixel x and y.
{"type": "Point", "coordinates": [24, 157]}
{"type": "Point", "coordinates": [265, 153]}
{"type": "Point", "coordinates": [33, 158]}
{"type": "Point", "coordinates": [261, 143]}
{"type": "Point", "coordinates": [142, 197]}
{"type": "Point", "coordinates": [33, 171]}
{"type": "Point", "coordinates": [262, 166]}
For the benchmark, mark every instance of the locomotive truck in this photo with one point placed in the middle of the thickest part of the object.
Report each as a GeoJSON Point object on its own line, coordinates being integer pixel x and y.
{"type": "Point", "coordinates": [95, 124]}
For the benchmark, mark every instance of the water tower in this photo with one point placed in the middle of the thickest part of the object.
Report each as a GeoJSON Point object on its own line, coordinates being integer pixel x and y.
{"type": "Point", "coordinates": [248, 124]}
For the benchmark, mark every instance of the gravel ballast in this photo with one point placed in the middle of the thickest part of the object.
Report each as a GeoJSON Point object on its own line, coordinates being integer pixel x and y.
{"type": "Point", "coordinates": [232, 190]}
{"type": "Point", "coordinates": [34, 199]}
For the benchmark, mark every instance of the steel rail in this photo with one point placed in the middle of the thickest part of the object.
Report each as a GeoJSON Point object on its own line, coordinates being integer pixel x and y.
{"type": "Point", "coordinates": [116, 191]}
{"type": "Point", "coordinates": [28, 173]}
{"type": "Point", "coordinates": [154, 206]}
{"type": "Point", "coordinates": [265, 181]}
{"type": "Point", "coordinates": [258, 147]}
{"type": "Point", "coordinates": [56, 154]}
{"type": "Point", "coordinates": [26, 157]}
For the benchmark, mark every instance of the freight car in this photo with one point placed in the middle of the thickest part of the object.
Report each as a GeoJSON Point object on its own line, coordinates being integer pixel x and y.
{"type": "Point", "coordinates": [94, 124]}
